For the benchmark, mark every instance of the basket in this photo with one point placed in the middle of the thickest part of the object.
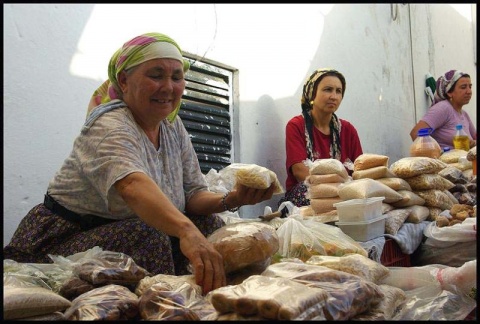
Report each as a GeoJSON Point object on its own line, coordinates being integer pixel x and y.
{"type": "Point", "coordinates": [392, 255]}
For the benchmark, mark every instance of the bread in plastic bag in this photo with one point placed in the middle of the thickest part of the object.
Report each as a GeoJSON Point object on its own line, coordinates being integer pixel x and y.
{"type": "Point", "coordinates": [414, 165]}
{"type": "Point", "coordinates": [435, 198]}
{"type": "Point", "coordinates": [418, 214]}
{"type": "Point", "coordinates": [367, 188]}
{"type": "Point", "coordinates": [299, 238]}
{"type": "Point", "coordinates": [179, 301]}
{"type": "Point", "coordinates": [348, 294]}
{"type": "Point", "coordinates": [107, 303]}
{"type": "Point", "coordinates": [369, 160]}
{"type": "Point", "coordinates": [328, 166]}
{"type": "Point", "coordinates": [244, 243]}
{"type": "Point", "coordinates": [452, 156]}
{"type": "Point", "coordinates": [28, 301]}
{"type": "Point", "coordinates": [314, 179]}
{"type": "Point", "coordinates": [429, 181]}
{"type": "Point", "coordinates": [409, 198]}
{"type": "Point", "coordinates": [108, 267]}
{"type": "Point", "coordinates": [395, 299]}
{"type": "Point", "coordinates": [355, 264]}
{"type": "Point", "coordinates": [395, 183]}
{"type": "Point", "coordinates": [373, 173]}
{"type": "Point", "coordinates": [271, 298]}
{"type": "Point", "coordinates": [254, 176]}
{"type": "Point", "coordinates": [323, 190]}
{"type": "Point", "coordinates": [395, 219]}
{"type": "Point", "coordinates": [324, 205]}
{"type": "Point", "coordinates": [434, 213]}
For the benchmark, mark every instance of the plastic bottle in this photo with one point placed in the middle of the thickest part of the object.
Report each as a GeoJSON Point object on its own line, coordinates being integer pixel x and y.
{"type": "Point", "coordinates": [425, 145]}
{"type": "Point", "coordinates": [461, 140]}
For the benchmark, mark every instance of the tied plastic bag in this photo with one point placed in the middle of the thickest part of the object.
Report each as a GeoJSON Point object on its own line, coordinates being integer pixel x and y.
{"type": "Point", "coordinates": [444, 236]}
{"type": "Point", "coordinates": [302, 239]}
{"type": "Point", "coordinates": [459, 280]}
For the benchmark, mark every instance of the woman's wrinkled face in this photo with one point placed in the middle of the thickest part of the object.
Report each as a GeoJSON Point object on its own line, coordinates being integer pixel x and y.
{"type": "Point", "coordinates": [153, 89]}
{"type": "Point", "coordinates": [329, 94]}
{"type": "Point", "coordinates": [462, 93]}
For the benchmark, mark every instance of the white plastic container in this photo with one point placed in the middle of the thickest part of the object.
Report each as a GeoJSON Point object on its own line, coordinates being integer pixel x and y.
{"type": "Point", "coordinates": [364, 231]}
{"type": "Point", "coordinates": [359, 210]}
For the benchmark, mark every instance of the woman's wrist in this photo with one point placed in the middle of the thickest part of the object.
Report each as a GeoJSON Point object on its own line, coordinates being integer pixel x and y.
{"type": "Point", "coordinates": [226, 206]}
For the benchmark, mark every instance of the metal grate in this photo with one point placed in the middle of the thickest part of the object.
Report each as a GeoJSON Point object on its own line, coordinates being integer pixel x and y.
{"type": "Point", "coordinates": [206, 113]}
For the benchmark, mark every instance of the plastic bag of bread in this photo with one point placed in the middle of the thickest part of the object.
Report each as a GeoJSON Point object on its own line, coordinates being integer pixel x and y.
{"type": "Point", "coordinates": [271, 298]}
{"type": "Point", "coordinates": [458, 280]}
{"type": "Point", "coordinates": [395, 299]}
{"type": "Point", "coordinates": [472, 154]}
{"type": "Point", "coordinates": [452, 156]}
{"type": "Point", "coordinates": [409, 198]}
{"type": "Point", "coordinates": [429, 181]}
{"type": "Point", "coordinates": [348, 294]}
{"type": "Point", "coordinates": [373, 173]}
{"type": "Point", "coordinates": [314, 179]}
{"type": "Point", "coordinates": [323, 190]}
{"type": "Point", "coordinates": [163, 302]}
{"type": "Point", "coordinates": [418, 214]}
{"type": "Point", "coordinates": [435, 198]}
{"type": "Point", "coordinates": [328, 166]}
{"type": "Point", "coordinates": [253, 176]}
{"type": "Point", "coordinates": [454, 175]}
{"type": "Point", "coordinates": [369, 160]}
{"type": "Point", "coordinates": [395, 183]}
{"type": "Point", "coordinates": [108, 267]}
{"type": "Point", "coordinates": [21, 301]}
{"type": "Point", "coordinates": [107, 303]}
{"type": "Point", "coordinates": [395, 219]}
{"type": "Point", "coordinates": [245, 243]}
{"type": "Point", "coordinates": [303, 238]}
{"type": "Point", "coordinates": [414, 165]}
{"type": "Point", "coordinates": [367, 188]}
{"type": "Point", "coordinates": [324, 205]}
{"type": "Point", "coordinates": [355, 264]}
{"type": "Point", "coordinates": [172, 282]}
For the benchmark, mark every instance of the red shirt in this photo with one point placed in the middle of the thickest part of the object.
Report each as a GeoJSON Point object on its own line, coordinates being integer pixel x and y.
{"type": "Point", "coordinates": [296, 149]}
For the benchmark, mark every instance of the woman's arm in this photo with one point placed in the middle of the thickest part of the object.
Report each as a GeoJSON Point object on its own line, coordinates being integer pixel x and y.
{"type": "Point", "coordinates": [206, 202]}
{"type": "Point", "coordinates": [414, 132]}
{"type": "Point", "coordinates": [148, 201]}
{"type": "Point", "coordinates": [300, 171]}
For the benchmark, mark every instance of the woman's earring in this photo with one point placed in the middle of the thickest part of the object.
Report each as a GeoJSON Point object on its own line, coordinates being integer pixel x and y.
{"type": "Point", "coordinates": [311, 103]}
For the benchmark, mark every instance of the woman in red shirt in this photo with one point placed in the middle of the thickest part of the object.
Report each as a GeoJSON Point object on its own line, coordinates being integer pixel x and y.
{"type": "Point", "coordinates": [318, 133]}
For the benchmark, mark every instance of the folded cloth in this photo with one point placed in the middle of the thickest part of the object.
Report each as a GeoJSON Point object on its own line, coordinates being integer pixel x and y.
{"type": "Point", "coordinates": [409, 236]}
{"type": "Point", "coordinates": [374, 248]}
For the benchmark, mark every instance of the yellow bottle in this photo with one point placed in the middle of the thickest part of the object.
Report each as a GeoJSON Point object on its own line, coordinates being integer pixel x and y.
{"type": "Point", "coordinates": [461, 140]}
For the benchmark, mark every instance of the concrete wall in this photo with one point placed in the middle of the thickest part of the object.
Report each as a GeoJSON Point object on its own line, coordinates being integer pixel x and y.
{"type": "Point", "coordinates": [56, 55]}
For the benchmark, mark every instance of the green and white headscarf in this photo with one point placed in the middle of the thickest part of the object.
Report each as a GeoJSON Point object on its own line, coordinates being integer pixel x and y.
{"type": "Point", "coordinates": [309, 91]}
{"type": "Point", "coordinates": [138, 50]}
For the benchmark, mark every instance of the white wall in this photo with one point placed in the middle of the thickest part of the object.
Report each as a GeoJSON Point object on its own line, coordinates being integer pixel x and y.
{"type": "Point", "coordinates": [55, 56]}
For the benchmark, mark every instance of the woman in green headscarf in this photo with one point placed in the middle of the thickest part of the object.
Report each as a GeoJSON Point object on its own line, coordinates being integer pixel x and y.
{"type": "Point", "coordinates": [318, 133]}
{"type": "Point", "coordinates": [132, 182]}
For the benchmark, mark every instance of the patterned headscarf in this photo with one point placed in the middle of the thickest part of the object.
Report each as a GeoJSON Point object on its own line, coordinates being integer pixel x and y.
{"type": "Point", "coordinates": [445, 83]}
{"type": "Point", "coordinates": [309, 92]}
{"type": "Point", "coordinates": [138, 50]}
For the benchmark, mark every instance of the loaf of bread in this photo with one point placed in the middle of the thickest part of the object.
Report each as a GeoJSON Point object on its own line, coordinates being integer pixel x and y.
{"type": "Point", "coordinates": [244, 243]}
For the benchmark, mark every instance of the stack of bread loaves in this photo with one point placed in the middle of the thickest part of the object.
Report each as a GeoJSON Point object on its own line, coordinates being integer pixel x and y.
{"type": "Point", "coordinates": [326, 176]}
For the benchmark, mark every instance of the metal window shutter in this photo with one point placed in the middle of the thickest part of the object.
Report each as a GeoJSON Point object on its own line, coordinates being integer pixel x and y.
{"type": "Point", "coordinates": [205, 112]}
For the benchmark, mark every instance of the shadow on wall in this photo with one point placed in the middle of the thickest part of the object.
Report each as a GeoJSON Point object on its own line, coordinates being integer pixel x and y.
{"type": "Point", "coordinates": [46, 104]}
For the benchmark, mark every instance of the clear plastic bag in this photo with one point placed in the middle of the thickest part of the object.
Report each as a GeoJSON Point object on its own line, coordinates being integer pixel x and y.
{"type": "Point", "coordinates": [302, 239]}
